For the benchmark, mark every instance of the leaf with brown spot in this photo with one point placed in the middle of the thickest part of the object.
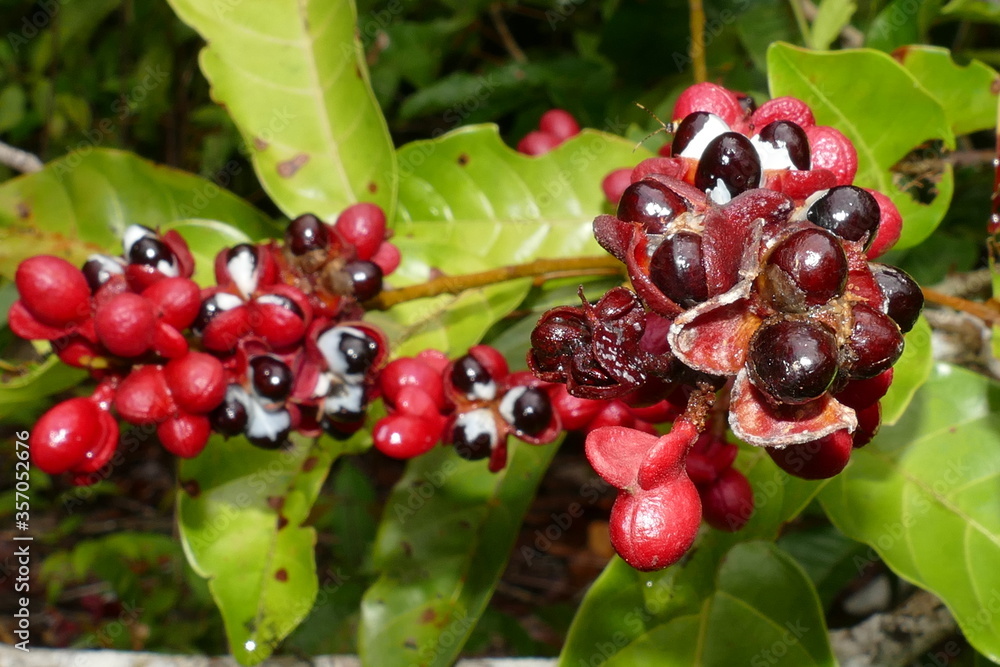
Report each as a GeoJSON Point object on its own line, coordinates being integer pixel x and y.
{"type": "Point", "coordinates": [244, 532]}
{"type": "Point", "coordinates": [292, 74]}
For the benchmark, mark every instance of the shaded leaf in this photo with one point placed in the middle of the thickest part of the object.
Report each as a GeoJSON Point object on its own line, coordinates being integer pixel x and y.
{"type": "Point", "coordinates": [858, 107]}
{"type": "Point", "coordinates": [443, 543]}
{"type": "Point", "coordinates": [910, 372]}
{"type": "Point", "coordinates": [925, 496]}
{"type": "Point", "coordinates": [81, 204]}
{"type": "Point", "coordinates": [292, 75]}
{"type": "Point", "coordinates": [22, 397]}
{"type": "Point", "coordinates": [831, 18]}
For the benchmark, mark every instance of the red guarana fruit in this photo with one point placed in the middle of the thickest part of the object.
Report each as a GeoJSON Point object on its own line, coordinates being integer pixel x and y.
{"type": "Point", "coordinates": [126, 324]}
{"type": "Point", "coordinates": [53, 290]}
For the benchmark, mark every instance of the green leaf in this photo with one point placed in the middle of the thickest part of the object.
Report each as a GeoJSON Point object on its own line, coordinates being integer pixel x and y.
{"type": "Point", "coordinates": [831, 18]}
{"type": "Point", "coordinates": [21, 397]}
{"type": "Point", "coordinates": [443, 543]}
{"type": "Point", "coordinates": [827, 556]}
{"type": "Point", "coordinates": [900, 23]}
{"type": "Point", "coordinates": [293, 77]}
{"type": "Point", "coordinates": [758, 608]}
{"type": "Point", "coordinates": [241, 512]}
{"type": "Point", "coordinates": [468, 202]}
{"type": "Point", "coordinates": [624, 605]}
{"type": "Point", "coordinates": [81, 204]}
{"type": "Point", "coordinates": [910, 372]}
{"type": "Point", "coordinates": [968, 93]}
{"type": "Point", "coordinates": [886, 113]}
{"type": "Point", "coordinates": [924, 496]}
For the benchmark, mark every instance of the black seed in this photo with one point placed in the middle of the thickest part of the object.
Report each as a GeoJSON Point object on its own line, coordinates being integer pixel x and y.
{"type": "Point", "coordinates": [731, 159]}
{"type": "Point", "coordinates": [903, 298]}
{"type": "Point", "coordinates": [688, 129]}
{"type": "Point", "coordinates": [467, 372]}
{"type": "Point", "coordinates": [847, 211]}
{"type": "Point", "coordinates": [271, 378]}
{"type": "Point", "coordinates": [793, 361]}
{"type": "Point", "coordinates": [229, 418]}
{"type": "Point", "coordinates": [678, 270]}
{"type": "Point", "coordinates": [366, 278]}
{"type": "Point", "coordinates": [150, 251]}
{"type": "Point", "coordinates": [532, 411]}
{"type": "Point", "coordinates": [788, 135]}
{"type": "Point", "coordinates": [306, 233]}
{"type": "Point", "coordinates": [359, 352]}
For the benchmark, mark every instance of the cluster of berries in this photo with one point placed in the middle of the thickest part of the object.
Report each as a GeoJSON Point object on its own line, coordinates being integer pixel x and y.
{"type": "Point", "coordinates": [275, 346]}
{"type": "Point", "coordinates": [472, 403]}
{"type": "Point", "coordinates": [554, 127]}
{"type": "Point", "coordinates": [748, 249]}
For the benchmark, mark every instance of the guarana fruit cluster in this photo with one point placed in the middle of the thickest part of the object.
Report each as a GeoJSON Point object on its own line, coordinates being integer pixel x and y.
{"type": "Point", "coordinates": [749, 252]}
{"type": "Point", "coordinates": [276, 345]}
{"type": "Point", "coordinates": [754, 305]}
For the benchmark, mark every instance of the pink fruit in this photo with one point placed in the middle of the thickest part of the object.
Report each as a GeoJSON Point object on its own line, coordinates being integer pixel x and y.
{"type": "Point", "coordinates": [559, 123]}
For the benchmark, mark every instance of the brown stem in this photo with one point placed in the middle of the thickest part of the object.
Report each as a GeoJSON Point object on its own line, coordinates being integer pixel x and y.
{"type": "Point", "coordinates": [515, 51]}
{"type": "Point", "coordinates": [697, 51]}
{"type": "Point", "coordinates": [986, 312]}
{"type": "Point", "coordinates": [541, 270]}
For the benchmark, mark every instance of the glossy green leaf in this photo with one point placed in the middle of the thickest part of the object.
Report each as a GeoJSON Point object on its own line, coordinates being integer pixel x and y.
{"type": "Point", "coordinates": [924, 495]}
{"type": "Point", "coordinates": [968, 93]}
{"type": "Point", "coordinates": [831, 18]}
{"type": "Point", "coordinates": [858, 107]}
{"type": "Point", "coordinates": [468, 202]}
{"type": "Point", "coordinates": [625, 605]}
{"type": "Point", "coordinates": [443, 543]}
{"type": "Point", "coordinates": [292, 76]}
{"type": "Point", "coordinates": [910, 372]}
{"type": "Point", "coordinates": [758, 608]}
{"type": "Point", "coordinates": [81, 204]}
{"type": "Point", "coordinates": [241, 512]}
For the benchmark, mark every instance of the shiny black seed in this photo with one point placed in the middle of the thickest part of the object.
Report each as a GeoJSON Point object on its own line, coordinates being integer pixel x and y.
{"type": "Point", "coordinates": [875, 343]}
{"type": "Point", "coordinates": [847, 211]}
{"type": "Point", "coordinates": [788, 135]}
{"type": "Point", "coordinates": [271, 378]}
{"type": "Point", "coordinates": [366, 278]}
{"type": "Point", "coordinates": [806, 268]}
{"type": "Point", "coordinates": [306, 233]}
{"type": "Point", "coordinates": [149, 251]}
{"type": "Point", "coordinates": [732, 160]}
{"type": "Point", "coordinates": [229, 418]}
{"type": "Point", "coordinates": [678, 270]}
{"type": "Point", "coordinates": [97, 273]}
{"type": "Point", "coordinates": [793, 361]}
{"type": "Point", "coordinates": [532, 411]}
{"type": "Point", "coordinates": [467, 372]}
{"type": "Point", "coordinates": [688, 129]}
{"type": "Point", "coordinates": [359, 352]}
{"type": "Point", "coordinates": [903, 298]}
{"type": "Point", "coordinates": [469, 447]}
{"type": "Point", "coordinates": [651, 203]}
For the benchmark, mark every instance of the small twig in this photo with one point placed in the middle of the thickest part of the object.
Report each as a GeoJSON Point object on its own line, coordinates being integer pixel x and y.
{"type": "Point", "coordinates": [983, 311]}
{"type": "Point", "coordinates": [697, 11]}
{"type": "Point", "coordinates": [496, 13]}
{"type": "Point", "coordinates": [800, 20]}
{"type": "Point", "coordinates": [541, 269]}
{"type": "Point", "coordinates": [852, 37]}
{"type": "Point", "coordinates": [18, 159]}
